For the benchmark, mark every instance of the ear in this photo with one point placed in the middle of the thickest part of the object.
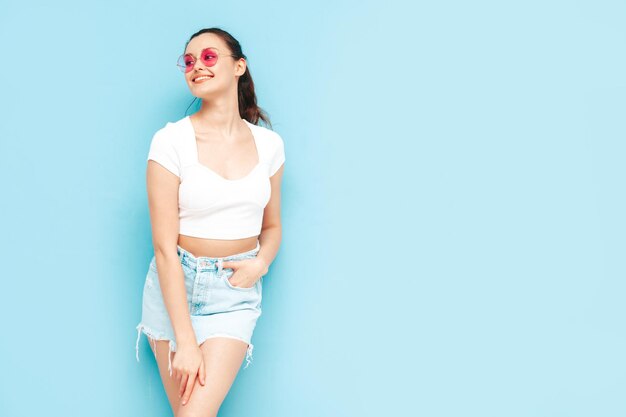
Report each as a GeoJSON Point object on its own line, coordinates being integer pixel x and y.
{"type": "Point", "coordinates": [240, 68]}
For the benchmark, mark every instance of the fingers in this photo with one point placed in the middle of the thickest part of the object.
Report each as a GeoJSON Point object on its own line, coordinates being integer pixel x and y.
{"type": "Point", "coordinates": [189, 389]}
{"type": "Point", "coordinates": [188, 382]}
{"type": "Point", "coordinates": [186, 376]}
{"type": "Point", "coordinates": [234, 264]}
{"type": "Point", "coordinates": [183, 384]}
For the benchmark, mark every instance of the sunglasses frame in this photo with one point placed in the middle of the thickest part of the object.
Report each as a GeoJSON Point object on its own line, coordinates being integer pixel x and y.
{"type": "Point", "coordinates": [183, 68]}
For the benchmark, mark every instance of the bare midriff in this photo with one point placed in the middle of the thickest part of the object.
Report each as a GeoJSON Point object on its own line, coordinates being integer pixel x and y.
{"type": "Point", "coordinates": [216, 248]}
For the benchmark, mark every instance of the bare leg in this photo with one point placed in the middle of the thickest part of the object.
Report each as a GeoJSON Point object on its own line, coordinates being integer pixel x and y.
{"type": "Point", "coordinates": [223, 357]}
{"type": "Point", "coordinates": [170, 384]}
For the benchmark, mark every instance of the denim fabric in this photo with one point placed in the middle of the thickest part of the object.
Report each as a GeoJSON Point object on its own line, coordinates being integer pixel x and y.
{"type": "Point", "coordinates": [217, 308]}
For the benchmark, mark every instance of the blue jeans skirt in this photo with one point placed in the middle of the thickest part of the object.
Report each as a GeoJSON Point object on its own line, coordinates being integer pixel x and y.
{"type": "Point", "coordinates": [217, 308]}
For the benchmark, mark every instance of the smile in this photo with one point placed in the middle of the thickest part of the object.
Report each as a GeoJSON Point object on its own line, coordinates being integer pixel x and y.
{"type": "Point", "coordinates": [202, 78]}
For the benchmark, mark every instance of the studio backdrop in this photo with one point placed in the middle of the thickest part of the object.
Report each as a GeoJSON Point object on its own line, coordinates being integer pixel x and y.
{"type": "Point", "coordinates": [452, 205]}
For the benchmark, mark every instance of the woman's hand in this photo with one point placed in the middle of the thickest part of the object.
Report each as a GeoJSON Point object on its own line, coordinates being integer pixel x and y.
{"type": "Point", "coordinates": [246, 272]}
{"type": "Point", "coordinates": [187, 364]}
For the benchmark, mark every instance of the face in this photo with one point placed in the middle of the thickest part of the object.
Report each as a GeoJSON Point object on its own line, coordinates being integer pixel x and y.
{"type": "Point", "coordinates": [217, 79]}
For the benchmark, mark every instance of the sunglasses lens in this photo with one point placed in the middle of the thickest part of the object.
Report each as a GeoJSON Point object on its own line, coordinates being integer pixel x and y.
{"type": "Point", "coordinates": [209, 57]}
{"type": "Point", "coordinates": [185, 63]}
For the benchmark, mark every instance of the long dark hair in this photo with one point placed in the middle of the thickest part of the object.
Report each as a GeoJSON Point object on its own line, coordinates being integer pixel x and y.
{"type": "Point", "coordinates": [248, 108]}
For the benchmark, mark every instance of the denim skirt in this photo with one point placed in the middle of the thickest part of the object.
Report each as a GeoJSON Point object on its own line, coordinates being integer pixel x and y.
{"type": "Point", "coordinates": [217, 308]}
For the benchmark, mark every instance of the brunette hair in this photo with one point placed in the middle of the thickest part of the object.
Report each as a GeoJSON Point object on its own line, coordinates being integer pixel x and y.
{"type": "Point", "coordinates": [248, 108]}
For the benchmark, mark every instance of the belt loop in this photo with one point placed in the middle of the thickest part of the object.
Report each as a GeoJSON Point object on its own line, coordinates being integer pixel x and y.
{"type": "Point", "coordinates": [219, 266]}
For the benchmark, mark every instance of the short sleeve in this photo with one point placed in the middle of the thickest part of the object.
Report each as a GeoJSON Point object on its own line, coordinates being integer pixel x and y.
{"type": "Point", "coordinates": [162, 150]}
{"type": "Point", "coordinates": [279, 155]}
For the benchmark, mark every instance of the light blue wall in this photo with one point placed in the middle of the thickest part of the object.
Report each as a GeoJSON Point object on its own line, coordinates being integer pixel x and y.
{"type": "Point", "coordinates": [453, 205]}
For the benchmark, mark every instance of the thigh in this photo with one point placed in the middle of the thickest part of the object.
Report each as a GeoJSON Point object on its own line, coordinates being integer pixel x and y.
{"type": "Point", "coordinates": [170, 384]}
{"type": "Point", "coordinates": [223, 357]}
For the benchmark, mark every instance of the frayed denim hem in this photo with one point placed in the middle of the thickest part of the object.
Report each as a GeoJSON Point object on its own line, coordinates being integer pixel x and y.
{"type": "Point", "coordinates": [172, 344]}
{"type": "Point", "coordinates": [150, 333]}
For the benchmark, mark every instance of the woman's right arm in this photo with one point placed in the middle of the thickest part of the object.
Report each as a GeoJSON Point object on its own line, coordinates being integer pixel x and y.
{"type": "Point", "coordinates": [162, 186]}
{"type": "Point", "coordinates": [188, 363]}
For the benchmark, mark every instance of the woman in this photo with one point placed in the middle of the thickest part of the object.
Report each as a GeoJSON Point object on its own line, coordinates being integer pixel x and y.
{"type": "Point", "coordinates": [213, 182]}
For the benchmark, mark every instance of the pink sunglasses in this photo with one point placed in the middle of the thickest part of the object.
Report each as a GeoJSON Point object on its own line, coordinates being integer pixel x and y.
{"type": "Point", "coordinates": [208, 56]}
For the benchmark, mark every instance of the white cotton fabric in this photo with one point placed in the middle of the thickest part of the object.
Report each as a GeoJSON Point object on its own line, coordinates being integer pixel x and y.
{"type": "Point", "coordinates": [211, 206]}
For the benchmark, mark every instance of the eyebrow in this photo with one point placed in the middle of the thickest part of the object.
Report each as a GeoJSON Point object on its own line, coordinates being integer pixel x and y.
{"type": "Point", "coordinates": [189, 53]}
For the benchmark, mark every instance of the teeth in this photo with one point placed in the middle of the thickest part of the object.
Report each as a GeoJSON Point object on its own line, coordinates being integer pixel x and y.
{"type": "Point", "coordinates": [202, 77]}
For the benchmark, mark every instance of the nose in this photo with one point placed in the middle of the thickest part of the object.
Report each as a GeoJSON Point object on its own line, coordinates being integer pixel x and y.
{"type": "Point", "coordinates": [198, 61]}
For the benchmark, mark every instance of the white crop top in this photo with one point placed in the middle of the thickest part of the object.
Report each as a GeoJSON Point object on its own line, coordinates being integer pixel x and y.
{"type": "Point", "coordinates": [211, 206]}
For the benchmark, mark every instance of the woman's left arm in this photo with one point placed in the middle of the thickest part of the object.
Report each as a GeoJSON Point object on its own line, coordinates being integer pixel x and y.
{"type": "Point", "coordinates": [247, 271]}
{"type": "Point", "coordinates": [271, 230]}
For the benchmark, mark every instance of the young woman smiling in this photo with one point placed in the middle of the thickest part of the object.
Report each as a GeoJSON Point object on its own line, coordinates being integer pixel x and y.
{"type": "Point", "coordinates": [213, 183]}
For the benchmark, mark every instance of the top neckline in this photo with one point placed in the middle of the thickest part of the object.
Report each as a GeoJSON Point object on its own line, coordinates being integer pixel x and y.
{"type": "Point", "coordinates": [211, 171]}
